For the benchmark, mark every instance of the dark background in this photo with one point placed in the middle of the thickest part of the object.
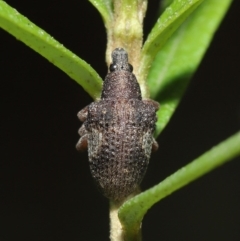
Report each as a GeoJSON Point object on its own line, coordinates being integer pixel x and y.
{"type": "Point", "coordinates": [46, 191]}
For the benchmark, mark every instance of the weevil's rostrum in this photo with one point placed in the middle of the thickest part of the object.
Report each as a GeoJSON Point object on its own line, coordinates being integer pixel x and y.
{"type": "Point", "coordinates": [118, 131]}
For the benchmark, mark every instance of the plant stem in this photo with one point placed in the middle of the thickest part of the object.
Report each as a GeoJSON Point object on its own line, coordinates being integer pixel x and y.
{"type": "Point", "coordinates": [117, 232]}
{"type": "Point", "coordinates": [126, 30]}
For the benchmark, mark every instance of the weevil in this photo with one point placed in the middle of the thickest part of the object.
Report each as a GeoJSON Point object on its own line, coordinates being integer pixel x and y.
{"type": "Point", "coordinates": [118, 131]}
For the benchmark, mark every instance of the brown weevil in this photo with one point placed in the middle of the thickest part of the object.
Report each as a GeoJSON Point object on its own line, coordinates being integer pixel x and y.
{"type": "Point", "coordinates": [118, 131]}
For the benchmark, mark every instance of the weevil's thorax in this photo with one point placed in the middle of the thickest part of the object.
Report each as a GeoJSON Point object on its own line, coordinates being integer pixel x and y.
{"type": "Point", "coordinates": [121, 82]}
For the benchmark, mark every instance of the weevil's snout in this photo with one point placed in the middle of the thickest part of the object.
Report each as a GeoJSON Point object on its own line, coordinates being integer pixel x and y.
{"type": "Point", "coordinates": [120, 61]}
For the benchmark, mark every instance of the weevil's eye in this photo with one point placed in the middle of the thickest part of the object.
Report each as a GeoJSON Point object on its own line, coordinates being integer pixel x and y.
{"type": "Point", "coordinates": [112, 67]}
{"type": "Point", "coordinates": [130, 67]}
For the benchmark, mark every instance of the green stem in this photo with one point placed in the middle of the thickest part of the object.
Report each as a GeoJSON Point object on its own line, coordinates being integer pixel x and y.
{"type": "Point", "coordinates": [117, 232]}
{"type": "Point", "coordinates": [126, 29]}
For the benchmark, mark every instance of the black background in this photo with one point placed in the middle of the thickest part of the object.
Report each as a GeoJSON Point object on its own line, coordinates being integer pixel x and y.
{"type": "Point", "coordinates": [46, 191]}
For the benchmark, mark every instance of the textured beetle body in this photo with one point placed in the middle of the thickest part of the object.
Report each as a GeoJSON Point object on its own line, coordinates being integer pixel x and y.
{"type": "Point", "coordinates": [118, 131]}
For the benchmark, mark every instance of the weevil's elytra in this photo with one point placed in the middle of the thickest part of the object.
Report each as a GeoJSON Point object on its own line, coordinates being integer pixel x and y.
{"type": "Point", "coordinates": [118, 130]}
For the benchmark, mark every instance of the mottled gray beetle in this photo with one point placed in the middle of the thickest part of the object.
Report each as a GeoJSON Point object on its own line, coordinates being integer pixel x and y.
{"type": "Point", "coordinates": [118, 131]}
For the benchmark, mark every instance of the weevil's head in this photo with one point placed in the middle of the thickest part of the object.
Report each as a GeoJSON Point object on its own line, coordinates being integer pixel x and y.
{"type": "Point", "coordinates": [121, 82]}
{"type": "Point", "coordinates": [120, 61]}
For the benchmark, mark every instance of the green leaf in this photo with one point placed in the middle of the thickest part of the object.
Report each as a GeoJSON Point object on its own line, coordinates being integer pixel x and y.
{"type": "Point", "coordinates": [131, 213]}
{"type": "Point", "coordinates": [37, 39]}
{"type": "Point", "coordinates": [168, 22]}
{"type": "Point", "coordinates": [181, 55]}
{"type": "Point", "coordinates": [105, 9]}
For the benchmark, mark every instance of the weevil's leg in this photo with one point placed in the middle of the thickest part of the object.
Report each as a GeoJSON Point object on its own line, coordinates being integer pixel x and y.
{"type": "Point", "coordinates": [153, 103]}
{"type": "Point", "coordinates": [82, 114]}
{"type": "Point", "coordinates": [82, 130]}
{"type": "Point", "coordinates": [82, 143]}
{"type": "Point", "coordinates": [156, 106]}
{"type": "Point", "coordinates": [154, 145]}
